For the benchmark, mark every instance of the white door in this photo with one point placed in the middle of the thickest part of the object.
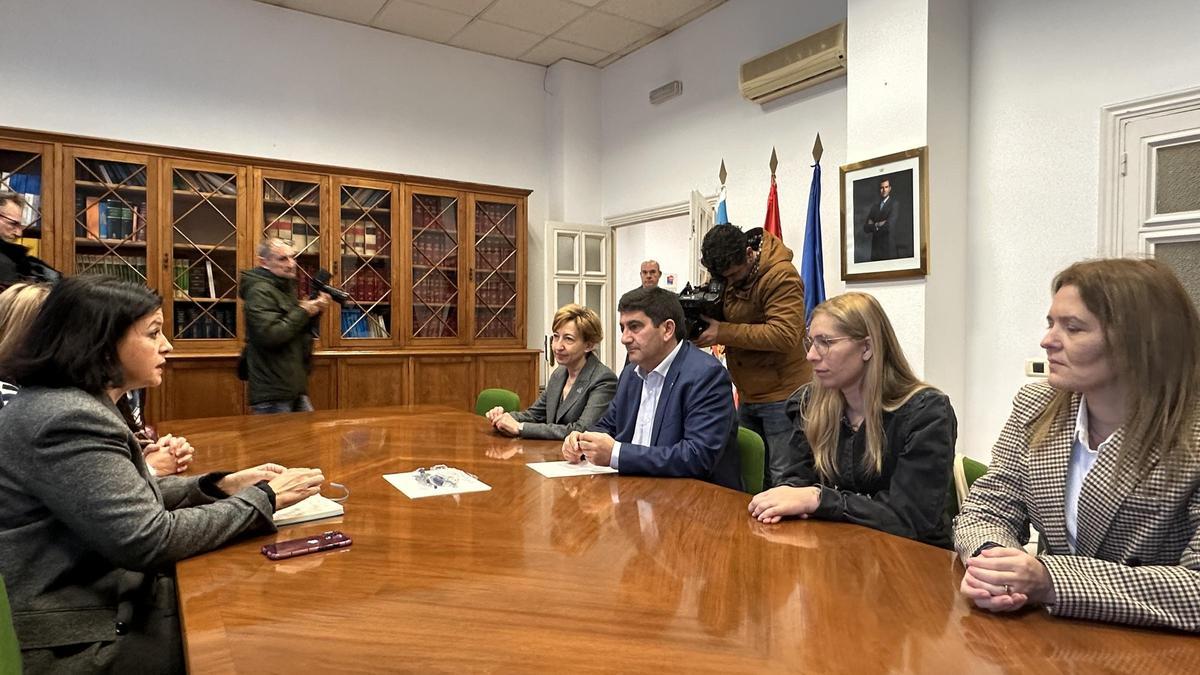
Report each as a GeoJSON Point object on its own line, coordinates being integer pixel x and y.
{"type": "Point", "coordinates": [703, 217]}
{"type": "Point", "coordinates": [1160, 192]}
{"type": "Point", "coordinates": [577, 257]}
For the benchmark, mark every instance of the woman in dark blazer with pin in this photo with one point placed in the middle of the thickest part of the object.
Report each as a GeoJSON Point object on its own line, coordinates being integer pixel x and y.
{"type": "Point", "coordinates": [579, 390]}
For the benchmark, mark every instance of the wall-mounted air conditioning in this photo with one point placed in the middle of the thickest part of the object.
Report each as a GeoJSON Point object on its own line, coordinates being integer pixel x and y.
{"type": "Point", "coordinates": [815, 59]}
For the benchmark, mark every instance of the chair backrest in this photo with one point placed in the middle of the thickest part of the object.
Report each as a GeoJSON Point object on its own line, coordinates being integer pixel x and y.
{"type": "Point", "coordinates": [490, 398]}
{"type": "Point", "coordinates": [754, 458]}
{"type": "Point", "coordinates": [966, 472]}
{"type": "Point", "coordinates": [10, 651]}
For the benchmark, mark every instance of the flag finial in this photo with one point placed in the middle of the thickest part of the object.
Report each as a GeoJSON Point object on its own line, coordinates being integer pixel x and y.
{"type": "Point", "coordinates": [774, 160]}
{"type": "Point", "coordinates": [723, 172]}
{"type": "Point", "coordinates": [818, 150]}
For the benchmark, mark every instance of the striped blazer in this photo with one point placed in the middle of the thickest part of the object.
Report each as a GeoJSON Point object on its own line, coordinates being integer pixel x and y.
{"type": "Point", "coordinates": [1138, 545]}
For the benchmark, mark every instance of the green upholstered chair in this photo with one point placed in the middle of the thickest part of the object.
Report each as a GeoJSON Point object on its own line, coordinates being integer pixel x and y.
{"type": "Point", "coordinates": [754, 459]}
{"type": "Point", "coordinates": [966, 472]}
{"type": "Point", "coordinates": [490, 398]}
{"type": "Point", "coordinates": [10, 652]}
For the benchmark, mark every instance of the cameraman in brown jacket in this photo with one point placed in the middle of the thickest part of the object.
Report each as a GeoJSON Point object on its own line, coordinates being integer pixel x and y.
{"type": "Point", "coordinates": [762, 332]}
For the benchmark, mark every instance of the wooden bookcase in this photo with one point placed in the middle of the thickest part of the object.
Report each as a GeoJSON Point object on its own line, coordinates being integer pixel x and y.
{"type": "Point", "coordinates": [435, 269]}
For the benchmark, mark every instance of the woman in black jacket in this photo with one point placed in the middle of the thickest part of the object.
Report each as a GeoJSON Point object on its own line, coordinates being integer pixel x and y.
{"type": "Point", "coordinates": [872, 445]}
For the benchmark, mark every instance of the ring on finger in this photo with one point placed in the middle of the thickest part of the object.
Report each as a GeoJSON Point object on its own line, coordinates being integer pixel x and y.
{"type": "Point", "coordinates": [1007, 590]}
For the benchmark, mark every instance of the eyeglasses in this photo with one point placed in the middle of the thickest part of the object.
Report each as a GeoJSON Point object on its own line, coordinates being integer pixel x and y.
{"type": "Point", "coordinates": [440, 475]}
{"type": "Point", "coordinates": [15, 222]}
{"type": "Point", "coordinates": [822, 343]}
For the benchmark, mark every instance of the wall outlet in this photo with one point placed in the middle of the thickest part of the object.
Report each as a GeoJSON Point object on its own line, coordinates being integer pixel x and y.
{"type": "Point", "coordinates": [1036, 368]}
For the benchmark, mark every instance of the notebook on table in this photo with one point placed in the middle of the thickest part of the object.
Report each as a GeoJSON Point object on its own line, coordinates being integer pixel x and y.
{"type": "Point", "coordinates": [313, 508]}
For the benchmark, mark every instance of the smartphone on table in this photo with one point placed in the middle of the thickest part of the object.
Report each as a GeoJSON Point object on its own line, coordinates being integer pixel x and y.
{"type": "Point", "coordinates": [318, 542]}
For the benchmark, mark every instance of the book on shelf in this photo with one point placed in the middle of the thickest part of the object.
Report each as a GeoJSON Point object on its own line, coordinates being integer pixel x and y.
{"type": "Point", "coordinates": [200, 281]}
{"type": "Point", "coordinates": [130, 268]}
{"type": "Point", "coordinates": [195, 323]}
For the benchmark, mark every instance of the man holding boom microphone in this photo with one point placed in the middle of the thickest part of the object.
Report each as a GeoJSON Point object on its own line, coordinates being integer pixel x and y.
{"type": "Point", "coordinates": [278, 337]}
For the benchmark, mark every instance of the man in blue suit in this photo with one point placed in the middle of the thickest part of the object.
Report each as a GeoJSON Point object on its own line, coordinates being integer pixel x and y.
{"type": "Point", "coordinates": [673, 413]}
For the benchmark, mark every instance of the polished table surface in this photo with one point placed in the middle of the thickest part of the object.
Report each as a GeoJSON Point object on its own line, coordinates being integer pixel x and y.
{"type": "Point", "coordinates": [597, 573]}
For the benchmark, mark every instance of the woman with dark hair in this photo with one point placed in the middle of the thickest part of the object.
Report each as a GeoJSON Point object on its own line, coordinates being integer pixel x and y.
{"type": "Point", "coordinates": [1103, 460]}
{"type": "Point", "coordinates": [873, 445]}
{"type": "Point", "coordinates": [88, 537]}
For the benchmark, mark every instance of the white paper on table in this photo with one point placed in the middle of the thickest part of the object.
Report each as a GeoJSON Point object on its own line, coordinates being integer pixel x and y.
{"type": "Point", "coordinates": [407, 483]}
{"type": "Point", "coordinates": [312, 508]}
{"type": "Point", "coordinates": [562, 469]}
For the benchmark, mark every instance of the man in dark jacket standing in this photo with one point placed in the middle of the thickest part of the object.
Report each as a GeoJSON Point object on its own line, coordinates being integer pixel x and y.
{"type": "Point", "coordinates": [762, 332]}
{"type": "Point", "coordinates": [278, 331]}
{"type": "Point", "coordinates": [15, 262]}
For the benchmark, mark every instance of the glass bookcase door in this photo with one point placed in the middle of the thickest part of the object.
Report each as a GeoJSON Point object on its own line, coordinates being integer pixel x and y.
{"type": "Point", "coordinates": [435, 250]}
{"type": "Point", "coordinates": [21, 171]}
{"type": "Point", "coordinates": [496, 280]}
{"type": "Point", "coordinates": [365, 249]}
{"type": "Point", "coordinates": [292, 212]}
{"type": "Point", "coordinates": [111, 217]}
{"type": "Point", "coordinates": [204, 214]}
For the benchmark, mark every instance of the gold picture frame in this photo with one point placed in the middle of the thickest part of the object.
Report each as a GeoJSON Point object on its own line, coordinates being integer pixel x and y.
{"type": "Point", "coordinates": [885, 217]}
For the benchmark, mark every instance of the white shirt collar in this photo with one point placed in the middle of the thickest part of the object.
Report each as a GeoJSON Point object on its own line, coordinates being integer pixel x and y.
{"type": "Point", "coordinates": [1081, 428]}
{"type": "Point", "coordinates": [664, 366]}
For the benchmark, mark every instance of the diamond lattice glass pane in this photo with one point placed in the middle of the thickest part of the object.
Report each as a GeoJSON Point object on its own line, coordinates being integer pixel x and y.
{"type": "Point", "coordinates": [1184, 258]}
{"type": "Point", "coordinates": [566, 293]}
{"type": "Point", "coordinates": [434, 266]}
{"type": "Point", "coordinates": [366, 250]}
{"type": "Point", "coordinates": [21, 172]}
{"type": "Point", "coordinates": [495, 270]}
{"type": "Point", "coordinates": [593, 293]}
{"type": "Point", "coordinates": [204, 253]}
{"type": "Point", "coordinates": [292, 212]}
{"type": "Point", "coordinates": [1177, 181]}
{"type": "Point", "coordinates": [565, 256]}
{"type": "Point", "coordinates": [111, 218]}
{"type": "Point", "coordinates": [593, 250]}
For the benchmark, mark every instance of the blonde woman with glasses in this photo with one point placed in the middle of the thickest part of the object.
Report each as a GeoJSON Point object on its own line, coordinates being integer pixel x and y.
{"type": "Point", "coordinates": [873, 445]}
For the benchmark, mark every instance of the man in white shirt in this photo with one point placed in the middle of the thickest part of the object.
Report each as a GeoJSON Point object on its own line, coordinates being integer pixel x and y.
{"type": "Point", "coordinates": [673, 413]}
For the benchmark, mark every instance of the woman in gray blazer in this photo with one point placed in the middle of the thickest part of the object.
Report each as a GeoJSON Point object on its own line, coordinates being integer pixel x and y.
{"type": "Point", "coordinates": [88, 538]}
{"type": "Point", "coordinates": [579, 390]}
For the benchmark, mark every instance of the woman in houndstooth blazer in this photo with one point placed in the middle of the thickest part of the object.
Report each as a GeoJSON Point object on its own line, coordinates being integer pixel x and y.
{"type": "Point", "coordinates": [1104, 460]}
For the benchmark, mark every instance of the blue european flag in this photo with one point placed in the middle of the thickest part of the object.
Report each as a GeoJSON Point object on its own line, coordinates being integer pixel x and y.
{"type": "Point", "coordinates": [812, 264]}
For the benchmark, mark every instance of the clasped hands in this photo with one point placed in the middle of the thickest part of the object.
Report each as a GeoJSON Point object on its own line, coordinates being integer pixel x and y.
{"type": "Point", "coordinates": [771, 506]}
{"type": "Point", "coordinates": [503, 421]}
{"type": "Point", "coordinates": [1004, 579]}
{"type": "Point", "coordinates": [592, 446]}
{"type": "Point", "coordinates": [169, 455]}
{"type": "Point", "coordinates": [290, 485]}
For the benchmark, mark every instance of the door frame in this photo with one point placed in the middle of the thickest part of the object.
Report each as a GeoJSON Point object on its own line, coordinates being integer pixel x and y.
{"type": "Point", "coordinates": [640, 217]}
{"type": "Point", "coordinates": [1114, 120]}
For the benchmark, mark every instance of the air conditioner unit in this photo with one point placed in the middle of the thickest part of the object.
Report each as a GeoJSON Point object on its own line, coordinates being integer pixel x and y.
{"type": "Point", "coordinates": [815, 59]}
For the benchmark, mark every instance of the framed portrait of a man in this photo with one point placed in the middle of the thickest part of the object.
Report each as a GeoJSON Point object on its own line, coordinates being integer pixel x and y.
{"type": "Point", "coordinates": [885, 223]}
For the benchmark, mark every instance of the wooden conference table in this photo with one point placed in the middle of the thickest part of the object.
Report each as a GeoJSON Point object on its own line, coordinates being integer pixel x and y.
{"type": "Point", "coordinates": [597, 573]}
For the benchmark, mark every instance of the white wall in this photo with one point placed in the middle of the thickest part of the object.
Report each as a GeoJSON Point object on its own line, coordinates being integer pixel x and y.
{"type": "Point", "coordinates": [656, 155]}
{"type": "Point", "coordinates": [249, 78]}
{"type": "Point", "coordinates": [1040, 72]}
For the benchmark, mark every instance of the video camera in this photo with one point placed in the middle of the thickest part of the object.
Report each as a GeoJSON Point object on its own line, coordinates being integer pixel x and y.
{"type": "Point", "coordinates": [320, 284]}
{"type": "Point", "coordinates": [706, 300]}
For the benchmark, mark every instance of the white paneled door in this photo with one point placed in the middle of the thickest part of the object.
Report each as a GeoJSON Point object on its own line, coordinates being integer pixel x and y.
{"type": "Point", "coordinates": [1160, 192]}
{"type": "Point", "coordinates": [577, 257]}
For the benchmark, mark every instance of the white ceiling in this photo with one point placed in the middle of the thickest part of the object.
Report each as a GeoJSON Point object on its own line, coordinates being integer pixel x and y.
{"type": "Point", "coordinates": [596, 32]}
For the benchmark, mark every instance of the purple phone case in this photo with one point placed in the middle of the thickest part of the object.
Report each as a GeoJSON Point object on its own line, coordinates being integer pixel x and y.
{"type": "Point", "coordinates": [294, 547]}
